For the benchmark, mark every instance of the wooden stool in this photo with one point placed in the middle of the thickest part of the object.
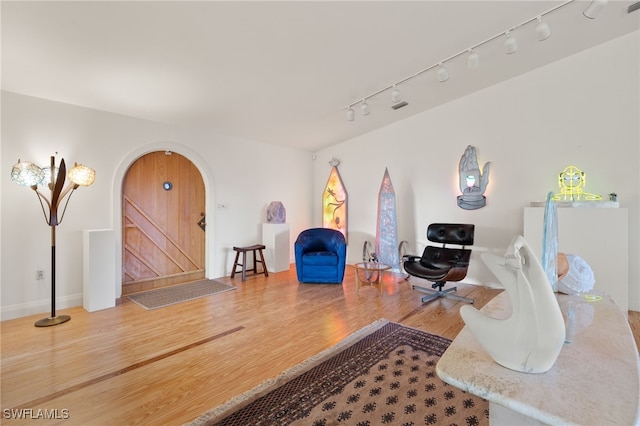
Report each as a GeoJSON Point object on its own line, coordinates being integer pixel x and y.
{"type": "Point", "coordinates": [254, 248]}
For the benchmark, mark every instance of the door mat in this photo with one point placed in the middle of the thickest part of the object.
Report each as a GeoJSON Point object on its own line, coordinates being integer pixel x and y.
{"type": "Point", "coordinates": [166, 296]}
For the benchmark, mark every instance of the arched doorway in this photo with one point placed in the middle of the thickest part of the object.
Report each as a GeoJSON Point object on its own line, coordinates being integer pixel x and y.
{"type": "Point", "coordinates": [163, 222]}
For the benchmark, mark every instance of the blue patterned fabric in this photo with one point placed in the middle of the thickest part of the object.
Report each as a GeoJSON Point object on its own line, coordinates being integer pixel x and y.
{"type": "Point", "coordinates": [550, 242]}
{"type": "Point", "coordinates": [321, 255]}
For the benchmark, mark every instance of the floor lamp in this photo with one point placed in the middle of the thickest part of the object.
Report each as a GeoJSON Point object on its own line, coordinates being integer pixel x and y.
{"type": "Point", "coordinates": [29, 174]}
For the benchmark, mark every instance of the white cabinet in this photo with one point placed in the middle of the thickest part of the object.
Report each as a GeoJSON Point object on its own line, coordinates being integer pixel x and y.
{"type": "Point", "coordinates": [598, 235]}
{"type": "Point", "coordinates": [275, 237]}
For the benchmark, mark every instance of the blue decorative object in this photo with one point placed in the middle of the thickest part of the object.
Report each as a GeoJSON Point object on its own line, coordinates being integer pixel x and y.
{"type": "Point", "coordinates": [321, 255]}
{"type": "Point", "coordinates": [550, 242]}
{"type": "Point", "coordinates": [387, 225]}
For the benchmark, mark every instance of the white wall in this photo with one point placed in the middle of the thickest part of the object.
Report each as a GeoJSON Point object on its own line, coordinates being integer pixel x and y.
{"type": "Point", "coordinates": [581, 111]}
{"type": "Point", "coordinates": [245, 175]}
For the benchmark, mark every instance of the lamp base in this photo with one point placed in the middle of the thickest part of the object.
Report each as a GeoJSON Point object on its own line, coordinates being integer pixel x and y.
{"type": "Point", "coordinates": [47, 322]}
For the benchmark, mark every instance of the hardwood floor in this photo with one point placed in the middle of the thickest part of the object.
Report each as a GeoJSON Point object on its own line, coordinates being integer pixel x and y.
{"type": "Point", "coordinates": [167, 366]}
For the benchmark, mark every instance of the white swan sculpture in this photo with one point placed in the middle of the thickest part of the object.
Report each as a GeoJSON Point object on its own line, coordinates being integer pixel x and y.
{"type": "Point", "coordinates": [531, 339]}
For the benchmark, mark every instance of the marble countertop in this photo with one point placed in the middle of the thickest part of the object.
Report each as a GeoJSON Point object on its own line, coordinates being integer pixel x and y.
{"type": "Point", "coordinates": [594, 381]}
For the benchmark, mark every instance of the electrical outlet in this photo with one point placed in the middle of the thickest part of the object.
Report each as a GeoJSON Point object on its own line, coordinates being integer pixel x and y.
{"type": "Point", "coordinates": [40, 274]}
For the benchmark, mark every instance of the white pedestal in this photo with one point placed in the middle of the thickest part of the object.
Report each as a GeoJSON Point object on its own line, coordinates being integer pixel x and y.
{"type": "Point", "coordinates": [98, 274]}
{"type": "Point", "coordinates": [275, 237]}
{"type": "Point", "coordinates": [598, 235]}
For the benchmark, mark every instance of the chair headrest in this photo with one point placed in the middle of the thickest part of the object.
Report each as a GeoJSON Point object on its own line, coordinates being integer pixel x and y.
{"type": "Point", "coordinates": [451, 233]}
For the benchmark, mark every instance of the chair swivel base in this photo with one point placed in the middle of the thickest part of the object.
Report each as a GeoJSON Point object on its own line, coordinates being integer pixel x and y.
{"type": "Point", "coordinates": [435, 294]}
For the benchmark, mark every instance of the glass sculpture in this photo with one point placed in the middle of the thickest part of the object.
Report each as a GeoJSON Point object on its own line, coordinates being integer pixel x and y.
{"type": "Point", "coordinates": [334, 203]}
{"type": "Point", "coordinates": [387, 225]}
{"type": "Point", "coordinates": [550, 242]}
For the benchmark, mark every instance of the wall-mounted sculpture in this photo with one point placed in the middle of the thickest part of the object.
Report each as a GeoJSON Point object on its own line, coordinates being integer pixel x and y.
{"type": "Point", "coordinates": [531, 339]}
{"type": "Point", "coordinates": [334, 201]}
{"type": "Point", "coordinates": [387, 225]}
{"type": "Point", "coordinates": [473, 183]}
{"type": "Point", "coordinates": [571, 182]}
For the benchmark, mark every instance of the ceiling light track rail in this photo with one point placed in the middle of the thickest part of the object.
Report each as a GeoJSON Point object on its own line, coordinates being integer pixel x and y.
{"type": "Point", "coordinates": [510, 44]}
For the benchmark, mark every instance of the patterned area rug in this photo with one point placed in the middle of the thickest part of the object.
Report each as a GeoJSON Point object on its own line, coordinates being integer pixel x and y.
{"type": "Point", "coordinates": [153, 299]}
{"type": "Point", "coordinates": [382, 375]}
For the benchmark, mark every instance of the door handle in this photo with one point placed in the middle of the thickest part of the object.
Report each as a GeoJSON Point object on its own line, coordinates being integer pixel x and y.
{"type": "Point", "coordinates": [202, 222]}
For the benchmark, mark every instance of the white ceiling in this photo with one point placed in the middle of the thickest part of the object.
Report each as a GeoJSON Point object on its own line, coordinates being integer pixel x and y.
{"type": "Point", "coordinates": [279, 72]}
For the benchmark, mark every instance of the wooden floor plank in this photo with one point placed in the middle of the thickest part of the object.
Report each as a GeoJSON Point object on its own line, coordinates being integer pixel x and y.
{"type": "Point", "coordinates": [127, 365]}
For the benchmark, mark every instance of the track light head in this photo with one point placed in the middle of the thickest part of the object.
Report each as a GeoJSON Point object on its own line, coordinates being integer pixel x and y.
{"type": "Point", "coordinates": [351, 114]}
{"type": "Point", "coordinates": [364, 108]}
{"type": "Point", "coordinates": [443, 74]}
{"type": "Point", "coordinates": [473, 60]}
{"type": "Point", "coordinates": [395, 95]}
{"type": "Point", "coordinates": [594, 8]}
{"type": "Point", "coordinates": [542, 29]}
{"type": "Point", "coordinates": [510, 44]}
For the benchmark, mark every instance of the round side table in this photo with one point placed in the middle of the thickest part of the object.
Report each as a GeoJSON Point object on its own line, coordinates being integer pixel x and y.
{"type": "Point", "coordinates": [370, 273]}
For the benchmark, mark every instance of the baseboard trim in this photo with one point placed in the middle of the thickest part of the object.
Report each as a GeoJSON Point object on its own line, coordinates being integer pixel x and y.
{"type": "Point", "coordinates": [42, 306]}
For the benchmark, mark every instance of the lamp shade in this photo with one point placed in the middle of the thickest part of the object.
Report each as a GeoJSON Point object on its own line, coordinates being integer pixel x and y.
{"type": "Point", "coordinates": [50, 178]}
{"type": "Point", "coordinates": [364, 108]}
{"type": "Point", "coordinates": [594, 8]}
{"type": "Point", "coordinates": [395, 95]}
{"type": "Point", "coordinates": [82, 175]}
{"type": "Point", "coordinates": [473, 60]}
{"type": "Point", "coordinates": [443, 74]}
{"type": "Point", "coordinates": [510, 44]}
{"type": "Point", "coordinates": [543, 30]}
{"type": "Point", "coordinates": [26, 173]}
{"type": "Point", "coordinates": [351, 114]}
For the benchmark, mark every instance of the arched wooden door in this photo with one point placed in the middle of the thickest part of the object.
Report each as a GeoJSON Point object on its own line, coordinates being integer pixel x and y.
{"type": "Point", "coordinates": [163, 207]}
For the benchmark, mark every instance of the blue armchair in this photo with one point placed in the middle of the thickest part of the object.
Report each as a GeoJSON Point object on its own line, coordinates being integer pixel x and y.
{"type": "Point", "coordinates": [321, 255]}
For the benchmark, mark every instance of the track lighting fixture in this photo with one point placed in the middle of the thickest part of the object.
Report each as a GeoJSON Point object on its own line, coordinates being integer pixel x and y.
{"type": "Point", "coordinates": [351, 114]}
{"type": "Point", "coordinates": [364, 108]}
{"type": "Point", "coordinates": [594, 8]}
{"type": "Point", "coordinates": [510, 44]}
{"type": "Point", "coordinates": [395, 95]}
{"type": "Point", "coordinates": [443, 74]}
{"type": "Point", "coordinates": [473, 60]}
{"type": "Point", "coordinates": [542, 29]}
{"type": "Point", "coordinates": [543, 32]}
